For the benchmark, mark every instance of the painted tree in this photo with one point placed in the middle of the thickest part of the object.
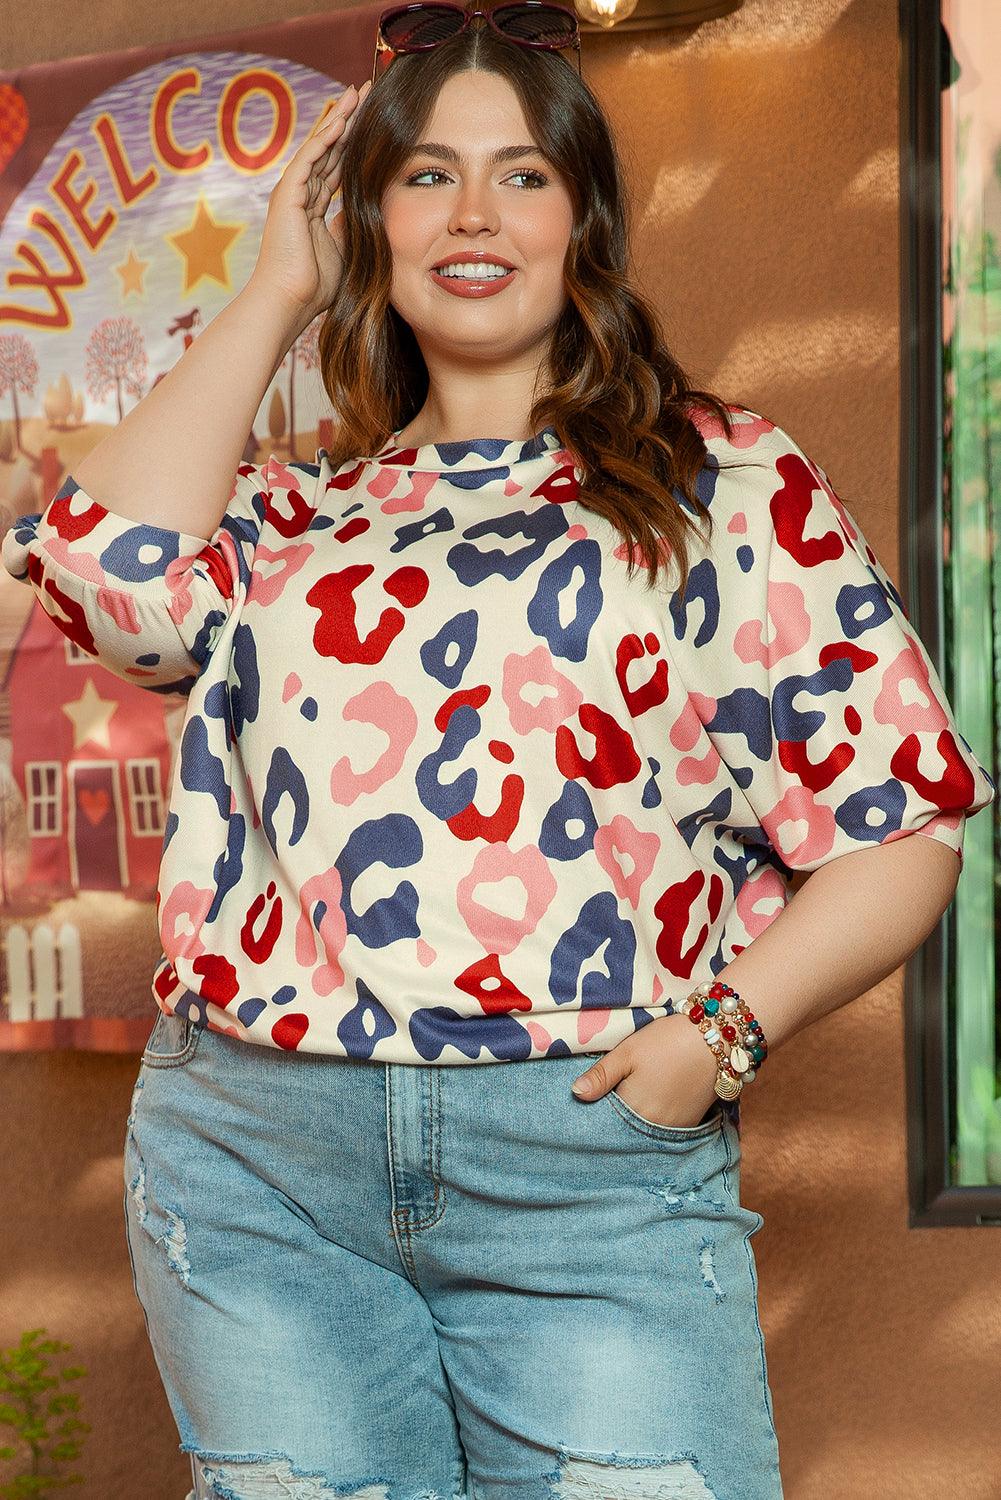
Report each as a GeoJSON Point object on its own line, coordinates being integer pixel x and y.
{"type": "Point", "coordinates": [18, 372]}
{"type": "Point", "coordinates": [116, 360]}
{"type": "Point", "coordinates": [304, 351]}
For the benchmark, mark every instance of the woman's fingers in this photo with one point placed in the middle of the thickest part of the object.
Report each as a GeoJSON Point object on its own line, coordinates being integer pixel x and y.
{"type": "Point", "coordinates": [326, 143]}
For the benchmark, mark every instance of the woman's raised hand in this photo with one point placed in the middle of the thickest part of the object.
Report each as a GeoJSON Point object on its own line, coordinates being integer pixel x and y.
{"type": "Point", "coordinates": [301, 255]}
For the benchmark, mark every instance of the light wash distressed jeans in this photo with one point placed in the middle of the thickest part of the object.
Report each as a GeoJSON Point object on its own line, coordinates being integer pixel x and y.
{"type": "Point", "coordinates": [404, 1282]}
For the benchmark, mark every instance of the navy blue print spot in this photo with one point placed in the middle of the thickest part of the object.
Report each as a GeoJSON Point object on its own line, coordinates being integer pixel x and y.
{"type": "Point", "coordinates": [650, 796]}
{"type": "Point", "coordinates": [436, 524]}
{"type": "Point", "coordinates": [438, 1026]}
{"type": "Point", "coordinates": [572, 806]}
{"type": "Point", "coordinates": [860, 609]}
{"type": "Point", "coordinates": [365, 1024]}
{"type": "Point", "coordinates": [248, 1010]}
{"type": "Point", "coordinates": [446, 655]}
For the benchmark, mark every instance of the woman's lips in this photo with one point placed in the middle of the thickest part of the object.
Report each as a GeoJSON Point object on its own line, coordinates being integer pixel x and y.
{"type": "Point", "coordinates": [466, 286]}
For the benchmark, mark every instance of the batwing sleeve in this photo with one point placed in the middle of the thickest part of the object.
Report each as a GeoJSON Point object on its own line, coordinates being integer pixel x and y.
{"type": "Point", "coordinates": [146, 601]}
{"type": "Point", "coordinates": [821, 698]}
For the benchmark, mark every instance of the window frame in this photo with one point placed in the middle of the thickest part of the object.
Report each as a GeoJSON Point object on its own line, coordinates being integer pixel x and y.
{"type": "Point", "coordinates": [933, 1200]}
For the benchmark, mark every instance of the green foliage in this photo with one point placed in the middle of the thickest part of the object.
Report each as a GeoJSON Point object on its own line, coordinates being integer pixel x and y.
{"type": "Point", "coordinates": [24, 1408]}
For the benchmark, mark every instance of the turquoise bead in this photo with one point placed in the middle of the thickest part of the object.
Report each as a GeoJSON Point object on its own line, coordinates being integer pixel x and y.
{"type": "Point", "coordinates": [757, 1053]}
{"type": "Point", "coordinates": [711, 1007]}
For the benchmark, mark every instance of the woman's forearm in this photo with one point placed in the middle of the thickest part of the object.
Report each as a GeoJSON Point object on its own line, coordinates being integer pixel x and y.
{"type": "Point", "coordinates": [854, 921]}
{"type": "Point", "coordinates": [173, 458]}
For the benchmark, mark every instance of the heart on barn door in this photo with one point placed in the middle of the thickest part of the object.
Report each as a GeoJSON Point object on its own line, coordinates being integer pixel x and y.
{"type": "Point", "coordinates": [94, 802]}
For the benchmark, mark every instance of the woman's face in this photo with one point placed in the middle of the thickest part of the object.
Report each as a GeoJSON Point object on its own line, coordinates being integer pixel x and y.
{"type": "Point", "coordinates": [455, 198]}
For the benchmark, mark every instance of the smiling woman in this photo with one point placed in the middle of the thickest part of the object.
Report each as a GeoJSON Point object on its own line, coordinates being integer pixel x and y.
{"type": "Point", "coordinates": [480, 152]}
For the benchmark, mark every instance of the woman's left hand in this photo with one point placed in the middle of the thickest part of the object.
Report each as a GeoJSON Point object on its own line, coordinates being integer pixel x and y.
{"type": "Point", "coordinates": [671, 1072]}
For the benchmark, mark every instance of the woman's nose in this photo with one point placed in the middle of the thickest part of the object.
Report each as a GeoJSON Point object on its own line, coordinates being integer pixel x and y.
{"type": "Point", "coordinates": [474, 209]}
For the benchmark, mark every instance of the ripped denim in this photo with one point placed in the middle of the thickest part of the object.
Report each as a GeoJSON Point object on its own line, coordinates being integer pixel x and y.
{"type": "Point", "coordinates": [398, 1282]}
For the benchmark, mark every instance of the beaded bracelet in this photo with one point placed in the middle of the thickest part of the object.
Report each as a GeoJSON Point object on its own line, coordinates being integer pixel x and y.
{"type": "Point", "coordinates": [739, 1044]}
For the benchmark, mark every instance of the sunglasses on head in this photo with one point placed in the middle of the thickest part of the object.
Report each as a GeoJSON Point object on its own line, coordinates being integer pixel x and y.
{"type": "Point", "coordinates": [421, 26]}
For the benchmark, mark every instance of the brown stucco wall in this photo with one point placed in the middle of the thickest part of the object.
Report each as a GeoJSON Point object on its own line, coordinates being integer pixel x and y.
{"type": "Point", "coordinates": [763, 149]}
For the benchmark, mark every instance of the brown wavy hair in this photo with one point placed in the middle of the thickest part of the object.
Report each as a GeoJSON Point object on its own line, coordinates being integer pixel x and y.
{"type": "Point", "coordinates": [618, 399]}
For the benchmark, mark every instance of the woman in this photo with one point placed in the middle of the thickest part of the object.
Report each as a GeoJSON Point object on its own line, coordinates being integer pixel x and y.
{"type": "Point", "coordinates": [490, 757]}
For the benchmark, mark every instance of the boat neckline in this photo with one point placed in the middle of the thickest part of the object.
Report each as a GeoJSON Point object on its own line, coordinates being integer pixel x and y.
{"type": "Point", "coordinates": [472, 453]}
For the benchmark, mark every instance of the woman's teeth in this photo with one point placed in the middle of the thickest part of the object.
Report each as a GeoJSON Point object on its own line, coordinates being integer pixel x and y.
{"type": "Point", "coordinates": [473, 272]}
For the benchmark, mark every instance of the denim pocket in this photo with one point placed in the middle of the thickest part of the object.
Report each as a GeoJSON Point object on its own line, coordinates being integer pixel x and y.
{"type": "Point", "coordinates": [172, 1042]}
{"type": "Point", "coordinates": [706, 1129]}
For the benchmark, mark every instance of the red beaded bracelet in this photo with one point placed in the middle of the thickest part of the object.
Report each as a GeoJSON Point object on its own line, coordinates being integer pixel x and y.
{"type": "Point", "coordinates": [737, 1041]}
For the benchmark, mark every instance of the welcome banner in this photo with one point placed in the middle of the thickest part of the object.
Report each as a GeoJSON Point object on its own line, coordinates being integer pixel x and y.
{"type": "Point", "coordinates": [133, 193]}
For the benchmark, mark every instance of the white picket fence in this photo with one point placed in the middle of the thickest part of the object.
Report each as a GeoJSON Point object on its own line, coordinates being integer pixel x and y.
{"type": "Point", "coordinates": [44, 972]}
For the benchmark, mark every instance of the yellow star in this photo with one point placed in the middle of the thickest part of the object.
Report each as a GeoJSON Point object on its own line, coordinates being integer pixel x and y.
{"type": "Point", "coordinates": [91, 717]}
{"type": "Point", "coordinates": [204, 245]}
{"type": "Point", "coordinates": [130, 273]}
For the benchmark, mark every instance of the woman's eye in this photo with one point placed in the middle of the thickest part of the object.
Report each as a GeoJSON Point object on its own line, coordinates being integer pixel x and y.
{"type": "Point", "coordinates": [428, 171]}
{"type": "Point", "coordinates": [412, 181]}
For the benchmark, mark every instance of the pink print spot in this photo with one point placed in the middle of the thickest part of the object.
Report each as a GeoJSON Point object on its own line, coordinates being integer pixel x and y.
{"type": "Point", "coordinates": [694, 772]}
{"type": "Point", "coordinates": [576, 533]}
{"type": "Point", "coordinates": [182, 915]}
{"type": "Point", "coordinates": [813, 827]}
{"type": "Point", "coordinates": [540, 1037]}
{"type": "Point", "coordinates": [788, 615]}
{"type": "Point", "coordinates": [747, 425]}
{"type": "Point", "coordinates": [737, 523]}
{"type": "Point", "coordinates": [590, 1023]}
{"type": "Point", "coordinates": [529, 708]}
{"type": "Point", "coordinates": [760, 899]}
{"type": "Point", "coordinates": [618, 837]}
{"type": "Point", "coordinates": [381, 706]}
{"type": "Point", "coordinates": [268, 585]}
{"type": "Point", "coordinates": [512, 487]}
{"type": "Point", "coordinates": [382, 486]}
{"type": "Point", "coordinates": [319, 951]}
{"type": "Point", "coordinates": [424, 953]}
{"type": "Point", "coordinates": [291, 686]}
{"type": "Point", "coordinates": [704, 706]}
{"type": "Point", "coordinates": [688, 726]}
{"type": "Point", "coordinates": [497, 865]}
{"type": "Point", "coordinates": [905, 698]}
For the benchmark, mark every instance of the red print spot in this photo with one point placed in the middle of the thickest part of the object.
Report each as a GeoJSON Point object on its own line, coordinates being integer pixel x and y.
{"type": "Point", "coordinates": [861, 660]}
{"type": "Point", "coordinates": [560, 487]}
{"type": "Point", "coordinates": [219, 978]}
{"type": "Point", "coordinates": [496, 827]}
{"type": "Point", "coordinates": [674, 910]}
{"type": "Point", "coordinates": [615, 759]}
{"type": "Point", "coordinates": [289, 1030]}
{"type": "Point", "coordinates": [954, 789]}
{"type": "Point", "coordinates": [260, 948]}
{"type": "Point", "coordinates": [74, 626]}
{"type": "Point", "coordinates": [475, 697]}
{"type": "Point", "coordinates": [653, 691]}
{"type": "Point", "coordinates": [790, 507]}
{"type": "Point", "coordinates": [486, 983]}
{"type": "Point", "coordinates": [336, 633]}
{"type": "Point", "coordinates": [354, 526]}
{"type": "Point", "coordinates": [408, 585]}
{"type": "Point", "coordinates": [793, 757]}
